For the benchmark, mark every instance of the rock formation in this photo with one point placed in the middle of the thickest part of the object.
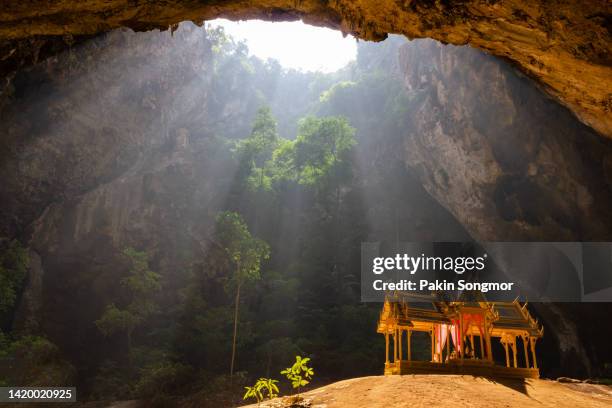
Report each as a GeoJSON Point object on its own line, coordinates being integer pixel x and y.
{"type": "Point", "coordinates": [508, 162]}
{"type": "Point", "coordinates": [564, 46]}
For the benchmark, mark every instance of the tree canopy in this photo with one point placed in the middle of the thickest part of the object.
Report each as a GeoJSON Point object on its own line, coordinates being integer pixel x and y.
{"type": "Point", "coordinates": [245, 251]}
{"type": "Point", "coordinates": [13, 267]}
{"type": "Point", "coordinates": [255, 151]}
{"type": "Point", "coordinates": [141, 285]}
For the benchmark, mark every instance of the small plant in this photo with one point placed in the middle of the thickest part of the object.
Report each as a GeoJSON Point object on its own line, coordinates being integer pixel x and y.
{"type": "Point", "coordinates": [299, 374]}
{"type": "Point", "coordinates": [269, 385]}
{"type": "Point", "coordinates": [262, 385]}
{"type": "Point", "coordinates": [253, 392]}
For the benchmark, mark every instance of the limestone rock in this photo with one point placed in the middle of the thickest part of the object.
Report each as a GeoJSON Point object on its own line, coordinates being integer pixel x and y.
{"type": "Point", "coordinates": [564, 46]}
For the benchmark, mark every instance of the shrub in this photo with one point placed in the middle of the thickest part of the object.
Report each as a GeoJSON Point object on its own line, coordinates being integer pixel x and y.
{"type": "Point", "coordinates": [299, 373]}
{"type": "Point", "coordinates": [163, 378]}
{"type": "Point", "coordinates": [262, 386]}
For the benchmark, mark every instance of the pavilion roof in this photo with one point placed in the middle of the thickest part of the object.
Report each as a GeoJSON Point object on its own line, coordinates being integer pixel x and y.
{"type": "Point", "coordinates": [514, 316]}
{"type": "Point", "coordinates": [402, 309]}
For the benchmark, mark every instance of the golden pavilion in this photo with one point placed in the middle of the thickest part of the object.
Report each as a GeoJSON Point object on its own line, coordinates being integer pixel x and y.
{"type": "Point", "coordinates": [463, 336]}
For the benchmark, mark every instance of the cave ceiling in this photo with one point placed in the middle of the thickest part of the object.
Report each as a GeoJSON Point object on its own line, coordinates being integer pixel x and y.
{"type": "Point", "coordinates": [563, 45]}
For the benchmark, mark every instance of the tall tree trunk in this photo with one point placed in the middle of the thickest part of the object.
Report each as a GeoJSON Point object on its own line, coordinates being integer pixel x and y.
{"type": "Point", "coordinates": [269, 363]}
{"type": "Point", "coordinates": [235, 330]}
{"type": "Point", "coordinates": [336, 225]}
{"type": "Point", "coordinates": [129, 350]}
{"type": "Point", "coordinates": [261, 177]}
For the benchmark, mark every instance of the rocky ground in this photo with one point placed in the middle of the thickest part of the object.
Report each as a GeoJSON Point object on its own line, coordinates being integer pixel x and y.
{"type": "Point", "coordinates": [453, 390]}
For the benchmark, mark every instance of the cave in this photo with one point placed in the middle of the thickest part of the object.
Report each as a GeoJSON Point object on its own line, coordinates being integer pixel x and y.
{"type": "Point", "coordinates": [129, 131]}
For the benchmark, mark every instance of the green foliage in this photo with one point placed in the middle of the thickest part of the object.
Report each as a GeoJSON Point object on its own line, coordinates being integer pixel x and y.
{"type": "Point", "coordinates": [34, 361]}
{"type": "Point", "coordinates": [162, 378]}
{"type": "Point", "coordinates": [326, 96]}
{"type": "Point", "coordinates": [283, 159]}
{"type": "Point", "coordinates": [255, 152]}
{"type": "Point", "coordinates": [264, 132]}
{"type": "Point", "coordinates": [34, 349]}
{"type": "Point", "coordinates": [299, 373]}
{"type": "Point", "coordinates": [156, 375]}
{"type": "Point", "coordinates": [141, 281]}
{"type": "Point", "coordinates": [111, 382]}
{"type": "Point", "coordinates": [256, 391]}
{"type": "Point", "coordinates": [375, 103]}
{"type": "Point", "coordinates": [319, 147]}
{"type": "Point", "coordinates": [114, 320]}
{"type": "Point", "coordinates": [244, 250]}
{"type": "Point", "coordinates": [263, 385]}
{"type": "Point", "coordinates": [5, 342]}
{"type": "Point", "coordinates": [141, 285]}
{"type": "Point", "coordinates": [13, 266]}
{"type": "Point", "coordinates": [236, 77]}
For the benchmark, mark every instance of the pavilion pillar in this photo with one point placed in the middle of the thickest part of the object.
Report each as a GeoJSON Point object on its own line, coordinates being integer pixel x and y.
{"type": "Point", "coordinates": [448, 341]}
{"type": "Point", "coordinates": [434, 340]}
{"type": "Point", "coordinates": [504, 341]}
{"type": "Point", "coordinates": [408, 336]}
{"type": "Point", "coordinates": [432, 349]}
{"type": "Point", "coordinates": [386, 348]}
{"type": "Point", "coordinates": [472, 346]}
{"type": "Point", "coordinates": [482, 350]}
{"type": "Point", "coordinates": [488, 341]}
{"type": "Point", "coordinates": [533, 353]}
{"type": "Point", "coordinates": [513, 347]}
{"type": "Point", "coordinates": [524, 338]}
{"type": "Point", "coordinates": [461, 344]}
{"type": "Point", "coordinates": [394, 345]}
{"type": "Point", "coordinates": [507, 356]}
{"type": "Point", "coordinates": [400, 332]}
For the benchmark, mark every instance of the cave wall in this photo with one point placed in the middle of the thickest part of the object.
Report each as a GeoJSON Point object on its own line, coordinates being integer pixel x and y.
{"type": "Point", "coordinates": [511, 165]}
{"type": "Point", "coordinates": [110, 145]}
{"type": "Point", "coordinates": [563, 45]}
{"type": "Point", "coordinates": [508, 162]}
{"type": "Point", "coordinates": [84, 117]}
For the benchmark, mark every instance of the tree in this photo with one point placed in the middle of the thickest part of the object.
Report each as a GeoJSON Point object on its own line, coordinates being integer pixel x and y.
{"type": "Point", "coordinates": [318, 148]}
{"type": "Point", "coordinates": [256, 150]}
{"type": "Point", "coordinates": [141, 285]}
{"type": "Point", "coordinates": [246, 253]}
{"type": "Point", "coordinates": [13, 267]}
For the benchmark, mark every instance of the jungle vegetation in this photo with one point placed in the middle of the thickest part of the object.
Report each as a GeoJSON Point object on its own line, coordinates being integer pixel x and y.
{"type": "Point", "coordinates": [310, 170]}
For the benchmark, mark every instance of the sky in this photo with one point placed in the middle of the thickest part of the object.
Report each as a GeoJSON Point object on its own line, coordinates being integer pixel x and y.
{"type": "Point", "coordinates": [294, 44]}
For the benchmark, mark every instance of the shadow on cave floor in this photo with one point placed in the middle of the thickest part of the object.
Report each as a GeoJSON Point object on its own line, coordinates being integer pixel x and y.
{"type": "Point", "coordinates": [516, 384]}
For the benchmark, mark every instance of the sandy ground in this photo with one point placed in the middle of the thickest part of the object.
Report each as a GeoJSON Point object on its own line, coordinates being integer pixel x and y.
{"type": "Point", "coordinates": [453, 391]}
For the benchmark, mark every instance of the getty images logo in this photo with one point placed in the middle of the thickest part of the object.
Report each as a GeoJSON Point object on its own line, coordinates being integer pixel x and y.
{"type": "Point", "coordinates": [412, 264]}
